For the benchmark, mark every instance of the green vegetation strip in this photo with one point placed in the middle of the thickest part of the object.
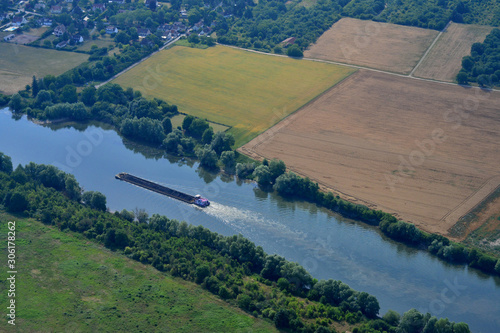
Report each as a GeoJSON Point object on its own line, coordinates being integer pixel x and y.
{"type": "Point", "coordinates": [67, 283]}
{"type": "Point", "coordinates": [248, 91]}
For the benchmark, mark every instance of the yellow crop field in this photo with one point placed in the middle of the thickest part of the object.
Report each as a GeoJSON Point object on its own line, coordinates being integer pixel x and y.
{"type": "Point", "coordinates": [247, 91]}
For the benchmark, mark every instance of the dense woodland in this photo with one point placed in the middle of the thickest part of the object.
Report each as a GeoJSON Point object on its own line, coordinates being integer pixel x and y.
{"type": "Point", "coordinates": [231, 267]}
{"type": "Point", "coordinates": [483, 64]}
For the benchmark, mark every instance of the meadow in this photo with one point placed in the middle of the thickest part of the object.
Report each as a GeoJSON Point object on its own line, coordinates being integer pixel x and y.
{"type": "Point", "coordinates": [69, 284]}
{"type": "Point", "coordinates": [19, 63]}
{"type": "Point", "coordinates": [247, 91]}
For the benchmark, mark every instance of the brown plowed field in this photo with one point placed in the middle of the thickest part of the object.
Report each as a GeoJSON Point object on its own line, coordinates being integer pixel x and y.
{"type": "Point", "coordinates": [426, 152]}
{"type": "Point", "coordinates": [384, 46]}
{"type": "Point", "coordinates": [444, 60]}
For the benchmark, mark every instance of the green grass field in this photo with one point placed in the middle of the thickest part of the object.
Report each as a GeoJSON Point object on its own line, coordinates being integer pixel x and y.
{"type": "Point", "coordinates": [19, 63]}
{"type": "Point", "coordinates": [248, 91]}
{"type": "Point", "coordinates": [66, 283]}
{"type": "Point", "coordinates": [101, 42]}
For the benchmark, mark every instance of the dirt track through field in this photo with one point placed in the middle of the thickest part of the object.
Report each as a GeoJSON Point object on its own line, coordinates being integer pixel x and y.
{"type": "Point", "coordinates": [397, 144]}
{"type": "Point", "coordinates": [444, 60]}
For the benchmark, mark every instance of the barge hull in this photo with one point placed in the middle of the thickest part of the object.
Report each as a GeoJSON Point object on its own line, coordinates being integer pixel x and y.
{"type": "Point", "coordinates": [149, 185]}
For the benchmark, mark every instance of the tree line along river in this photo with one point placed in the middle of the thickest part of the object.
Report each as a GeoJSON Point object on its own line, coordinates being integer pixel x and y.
{"type": "Point", "coordinates": [327, 245]}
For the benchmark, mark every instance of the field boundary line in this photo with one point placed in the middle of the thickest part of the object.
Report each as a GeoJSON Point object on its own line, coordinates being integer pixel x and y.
{"type": "Point", "coordinates": [429, 49]}
{"type": "Point", "coordinates": [360, 67]}
{"type": "Point", "coordinates": [484, 186]}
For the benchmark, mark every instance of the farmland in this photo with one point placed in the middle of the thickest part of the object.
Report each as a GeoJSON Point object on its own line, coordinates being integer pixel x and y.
{"type": "Point", "coordinates": [383, 46]}
{"type": "Point", "coordinates": [407, 147]}
{"type": "Point", "coordinates": [444, 60]}
{"type": "Point", "coordinates": [19, 63]}
{"type": "Point", "coordinates": [72, 285]}
{"type": "Point", "coordinates": [247, 91]}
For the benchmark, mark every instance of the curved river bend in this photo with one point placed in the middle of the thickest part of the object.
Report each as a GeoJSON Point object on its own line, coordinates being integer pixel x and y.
{"type": "Point", "coordinates": [327, 245]}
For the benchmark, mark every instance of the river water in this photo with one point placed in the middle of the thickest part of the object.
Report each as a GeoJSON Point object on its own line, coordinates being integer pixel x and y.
{"type": "Point", "coordinates": [327, 245]}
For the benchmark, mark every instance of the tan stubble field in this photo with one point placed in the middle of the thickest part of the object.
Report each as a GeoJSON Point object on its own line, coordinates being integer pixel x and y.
{"type": "Point", "coordinates": [406, 146]}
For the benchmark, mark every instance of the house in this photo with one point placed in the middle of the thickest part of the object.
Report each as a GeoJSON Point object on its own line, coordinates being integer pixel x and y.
{"type": "Point", "coordinates": [77, 10]}
{"type": "Point", "coordinates": [3, 16]}
{"type": "Point", "coordinates": [77, 39]}
{"type": "Point", "coordinates": [98, 6]}
{"type": "Point", "coordinates": [118, 1]}
{"type": "Point", "coordinates": [143, 32]}
{"type": "Point", "coordinates": [165, 27]}
{"type": "Point", "coordinates": [62, 44]}
{"type": "Point", "coordinates": [56, 10]}
{"type": "Point", "coordinates": [59, 30]}
{"type": "Point", "coordinates": [150, 3]}
{"type": "Point", "coordinates": [9, 37]}
{"type": "Point", "coordinates": [69, 1]}
{"type": "Point", "coordinates": [111, 29]}
{"type": "Point", "coordinates": [184, 14]}
{"type": "Point", "coordinates": [146, 43]}
{"type": "Point", "coordinates": [45, 21]}
{"type": "Point", "coordinates": [198, 26]}
{"type": "Point", "coordinates": [288, 41]}
{"type": "Point", "coordinates": [40, 6]}
{"type": "Point", "coordinates": [19, 21]}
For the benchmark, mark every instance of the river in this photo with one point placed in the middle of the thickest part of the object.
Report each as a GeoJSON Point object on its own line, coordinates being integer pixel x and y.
{"type": "Point", "coordinates": [327, 245]}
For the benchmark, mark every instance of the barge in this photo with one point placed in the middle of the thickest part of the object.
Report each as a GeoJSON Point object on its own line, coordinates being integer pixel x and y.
{"type": "Point", "coordinates": [149, 185]}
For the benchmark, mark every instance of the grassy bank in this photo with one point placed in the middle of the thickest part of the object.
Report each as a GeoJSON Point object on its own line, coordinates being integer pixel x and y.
{"type": "Point", "coordinates": [67, 283]}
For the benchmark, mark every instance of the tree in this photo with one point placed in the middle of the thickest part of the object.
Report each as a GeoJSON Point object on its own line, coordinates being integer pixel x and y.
{"type": "Point", "coordinates": [5, 163]}
{"type": "Point", "coordinates": [202, 272]}
{"type": "Point", "coordinates": [294, 51]}
{"type": "Point", "coordinates": [262, 175]}
{"type": "Point", "coordinates": [34, 87]}
{"type": "Point", "coordinates": [243, 170]}
{"type": "Point", "coordinates": [16, 202]}
{"type": "Point", "coordinates": [277, 168]}
{"type": "Point", "coordinates": [187, 122]}
{"type": "Point", "coordinates": [207, 157]}
{"type": "Point", "coordinates": [198, 127]}
{"type": "Point", "coordinates": [228, 161]}
{"type": "Point", "coordinates": [167, 125]}
{"type": "Point", "coordinates": [392, 318]}
{"type": "Point", "coordinates": [207, 136]}
{"type": "Point", "coordinates": [412, 321]}
{"type": "Point", "coordinates": [69, 94]}
{"type": "Point", "coordinates": [72, 187]}
{"type": "Point", "coordinates": [222, 142]}
{"type": "Point", "coordinates": [43, 99]}
{"type": "Point", "coordinates": [16, 103]}
{"type": "Point", "coordinates": [122, 37]}
{"type": "Point", "coordinates": [369, 304]}
{"type": "Point", "coordinates": [88, 96]}
{"type": "Point", "coordinates": [282, 318]}
{"type": "Point", "coordinates": [244, 301]}
{"type": "Point", "coordinates": [497, 267]}
{"type": "Point", "coordinates": [95, 200]}
{"type": "Point", "coordinates": [462, 78]}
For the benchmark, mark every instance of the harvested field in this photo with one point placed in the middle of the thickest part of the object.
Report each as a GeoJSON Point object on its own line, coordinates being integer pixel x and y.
{"type": "Point", "coordinates": [247, 91]}
{"type": "Point", "coordinates": [444, 60]}
{"type": "Point", "coordinates": [398, 144]}
{"type": "Point", "coordinates": [383, 46]}
{"type": "Point", "coordinates": [19, 63]}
